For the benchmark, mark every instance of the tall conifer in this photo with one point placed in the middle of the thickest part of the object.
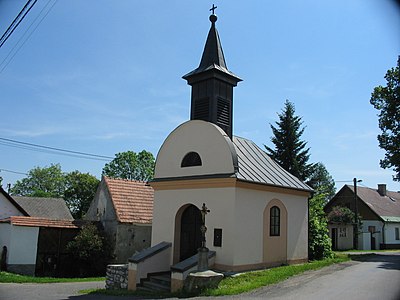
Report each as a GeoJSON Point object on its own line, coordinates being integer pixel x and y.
{"type": "Point", "coordinates": [290, 151]}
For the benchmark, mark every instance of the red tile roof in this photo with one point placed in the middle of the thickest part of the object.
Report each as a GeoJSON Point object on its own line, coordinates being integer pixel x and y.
{"type": "Point", "coordinates": [41, 222]}
{"type": "Point", "coordinates": [133, 200]}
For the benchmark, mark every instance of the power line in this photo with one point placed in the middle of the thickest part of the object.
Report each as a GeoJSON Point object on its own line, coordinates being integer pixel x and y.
{"type": "Point", "coordinates": [18, 19]}
{"type": "Point", "coordinates": [11, 171]}
{"type": "Point", "coordinates": [12, 53]}
{"type": "Point", "coordinates": [52, 150]}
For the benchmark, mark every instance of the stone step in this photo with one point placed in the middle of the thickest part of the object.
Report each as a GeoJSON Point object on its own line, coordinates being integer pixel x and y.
{"type": "Point", "coordinates": [155, 286]}
{"type": "Point", "coordinates": [143, 289]}
{"type": "Point", "coordinates": [156, 282]}
{"type": "Point", "coordinates": [161, 279]}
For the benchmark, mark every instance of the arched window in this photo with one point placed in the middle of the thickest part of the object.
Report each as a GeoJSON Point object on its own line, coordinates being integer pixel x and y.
{"type": "Point", "coordinates": [275, 221]}
{"type": "Point", "coordinates": [191, 159]}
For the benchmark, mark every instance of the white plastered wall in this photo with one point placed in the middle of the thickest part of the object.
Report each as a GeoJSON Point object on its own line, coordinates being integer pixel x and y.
{"type": "Point", "coordinates": [22, 248]}
{"type": "Point", "coordinates": [7, 209]}
{"type": "Point", "coordinates": [220, 202]}
{"type": "Point", "coordinates": [344, 235]}
{"type": "Point", "coordinates": [218, 157]}
{"type": "Point", "coordinates": [249, 209]}
{"type": "Point", "coordinates": [390, 234]}
{"type": "Point", "coordinates": [378, 227]}
{"type": "Point", "coordinates": [211, 143]}
{"type": "Point", "coordinates": [5, 233]}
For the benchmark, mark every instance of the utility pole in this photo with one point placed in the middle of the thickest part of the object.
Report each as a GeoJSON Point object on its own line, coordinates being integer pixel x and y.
{"type": "Point", "coordinates": [355, 213]}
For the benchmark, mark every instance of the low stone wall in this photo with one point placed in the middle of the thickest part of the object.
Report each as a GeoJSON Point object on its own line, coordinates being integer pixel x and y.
{"type": "Point", "coordinates": [117, 277]}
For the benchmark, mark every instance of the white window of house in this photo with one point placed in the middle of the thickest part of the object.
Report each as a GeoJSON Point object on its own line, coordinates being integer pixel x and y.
{"type": "Point", "coordinates": [342, 232]}
{"type": "Point", "coordinates": [397, 233]}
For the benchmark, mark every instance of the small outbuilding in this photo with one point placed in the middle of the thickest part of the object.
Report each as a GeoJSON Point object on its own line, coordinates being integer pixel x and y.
{"type": "Point", "coordinates": [125, 210]}
{"type": "Point", "coordinates": [35, 232]}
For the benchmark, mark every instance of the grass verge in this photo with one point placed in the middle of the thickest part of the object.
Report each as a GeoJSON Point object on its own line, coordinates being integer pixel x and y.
{"type": "Point", "coordinates": [241, 283]}
{"type": "Point", "coordinates": [367, 251]}
{"type": "Point", "coordinates": [253, 280]}
{"type": "Point", "coordinates": [6, 277]}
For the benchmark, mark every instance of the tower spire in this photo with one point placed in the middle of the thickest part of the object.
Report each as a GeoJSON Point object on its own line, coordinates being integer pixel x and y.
{"type": "Point", "coordinates": [212, 83]}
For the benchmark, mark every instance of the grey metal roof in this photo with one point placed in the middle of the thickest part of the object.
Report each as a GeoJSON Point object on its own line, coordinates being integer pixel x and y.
{"type": "Point", "coordinates": [256, 166]}
{"type": "Point", "coordinates": [51, 208]}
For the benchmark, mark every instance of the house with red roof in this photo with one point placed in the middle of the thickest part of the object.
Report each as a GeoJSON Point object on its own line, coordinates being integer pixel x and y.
{"type": "Point", "coordinates": [35, 232]}
{"type": "Point", "coordinates": [379, 210]}
{"type": "Point", "coordinates": [125, 210]}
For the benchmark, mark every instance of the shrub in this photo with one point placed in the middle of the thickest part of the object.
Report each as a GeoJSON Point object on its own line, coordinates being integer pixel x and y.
{"type": "Point", "coordinates": [91, 250]}
{"type": "Point", "coordinates": [320, 245]}
{"type": "Point", "coordinates": [341, 214]}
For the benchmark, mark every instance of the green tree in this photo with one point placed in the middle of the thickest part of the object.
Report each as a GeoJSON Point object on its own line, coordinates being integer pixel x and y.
{"type": "Point", "coordinates": [91, 250]}
{"type": "Point", "coordinates": [387, 101]}
{"type": "Point", "coordinates": [131, 165]}
{"type": "Point", "coordinates": [80, 189]}
{"type": "Point", "coordinates": [321, 181]}
{"type": "Point", "coordinates": [290, 151]}
{"type": "Point", "coordinates": [41, 182]}
{"type": "Point", "coordinates": [320, 245]}
{"type": "Point", "coordinates": [77, 189]}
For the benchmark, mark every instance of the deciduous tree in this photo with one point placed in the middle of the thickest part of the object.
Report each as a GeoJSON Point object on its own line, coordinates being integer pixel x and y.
{"type": "Point", "coordinates": [387, 101]}
{"type": "Point", "coordinates": [77, 189]}
{"type": "Point", "coordinates": [80, 189]}
{"type": "Point", "coordinates": [131, 165]}
{"type": "Point", "coordinates": [41, 182]}
{"type": "Point", "coordinates": [321, 181]}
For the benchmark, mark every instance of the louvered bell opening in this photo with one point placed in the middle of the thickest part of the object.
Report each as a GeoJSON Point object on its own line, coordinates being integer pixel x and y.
{"type": "Point", "coordinates": [202, 109]}
{"type": "Point", "coordinates": [223, 112]}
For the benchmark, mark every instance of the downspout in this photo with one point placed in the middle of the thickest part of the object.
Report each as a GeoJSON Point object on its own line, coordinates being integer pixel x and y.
{"type": "Point", "coordinates": [383, 235]}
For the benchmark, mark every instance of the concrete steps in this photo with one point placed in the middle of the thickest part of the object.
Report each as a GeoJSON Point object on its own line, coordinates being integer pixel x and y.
{"type": "Point", "coordinates": [160, 282]}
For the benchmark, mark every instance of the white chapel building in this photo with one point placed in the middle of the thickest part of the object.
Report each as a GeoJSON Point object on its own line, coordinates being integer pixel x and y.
{"type": "Point", "coordinates": [258, 211]}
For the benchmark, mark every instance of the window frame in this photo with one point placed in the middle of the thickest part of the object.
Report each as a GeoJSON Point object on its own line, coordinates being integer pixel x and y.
{"type": "Point", "coordinates": [191, 159]}
{"type": "Point", "coordinates": [274, 221]}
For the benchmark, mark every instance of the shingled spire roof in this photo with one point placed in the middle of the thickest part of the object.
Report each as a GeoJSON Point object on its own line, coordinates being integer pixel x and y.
{"type": "Point", "coordinates": [212, 84]}
{"type": "Point", "coordinates": [213, 55]}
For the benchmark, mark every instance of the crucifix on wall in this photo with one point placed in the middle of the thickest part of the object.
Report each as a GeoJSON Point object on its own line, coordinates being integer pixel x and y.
{"type": "Point", "coordinates": [204, 211]}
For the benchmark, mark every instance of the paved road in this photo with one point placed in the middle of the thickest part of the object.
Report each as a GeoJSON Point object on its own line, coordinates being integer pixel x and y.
{"type": "Point", "coordinates": [372, 277]}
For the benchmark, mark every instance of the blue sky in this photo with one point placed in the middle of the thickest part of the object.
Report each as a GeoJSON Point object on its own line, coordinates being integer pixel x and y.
{"type": "Point", "coordinates": [104, 77]}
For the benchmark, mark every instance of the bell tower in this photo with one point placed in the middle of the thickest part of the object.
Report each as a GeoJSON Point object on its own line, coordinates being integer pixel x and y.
{"type": "Point", "coordinates": [212, 84]}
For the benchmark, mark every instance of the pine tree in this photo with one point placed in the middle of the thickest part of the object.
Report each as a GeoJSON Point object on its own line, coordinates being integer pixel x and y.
{"type": "Point", "coordinates": [290, 151]}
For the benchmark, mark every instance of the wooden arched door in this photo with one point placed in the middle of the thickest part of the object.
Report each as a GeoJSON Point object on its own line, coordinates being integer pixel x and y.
{"type": "Point", "coordinates": [190, 235]}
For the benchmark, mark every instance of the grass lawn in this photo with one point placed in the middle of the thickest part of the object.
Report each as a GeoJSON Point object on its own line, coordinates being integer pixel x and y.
{"type": "Point", "coordinates": [372, 251]}
{"type": "Point", "coordinates": [6, 277]}
{"type": "Point", "coordinates": [241, 283]}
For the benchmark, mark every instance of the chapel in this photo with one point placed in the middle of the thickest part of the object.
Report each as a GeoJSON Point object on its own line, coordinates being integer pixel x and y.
{"type": "Point", "coordinates": [258, 212]}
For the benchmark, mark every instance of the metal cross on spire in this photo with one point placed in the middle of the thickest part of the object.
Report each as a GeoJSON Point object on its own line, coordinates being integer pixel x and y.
{"type": "Point", "coordinates": [212, 9]}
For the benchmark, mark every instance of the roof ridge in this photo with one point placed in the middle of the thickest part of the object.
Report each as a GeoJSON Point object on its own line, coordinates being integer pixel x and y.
{"type": "Point", "coordinates": [125, 180]}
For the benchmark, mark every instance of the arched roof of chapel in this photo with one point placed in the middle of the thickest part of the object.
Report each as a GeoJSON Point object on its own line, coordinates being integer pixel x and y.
{"type": "Point", "coordinates": [220, 158]}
